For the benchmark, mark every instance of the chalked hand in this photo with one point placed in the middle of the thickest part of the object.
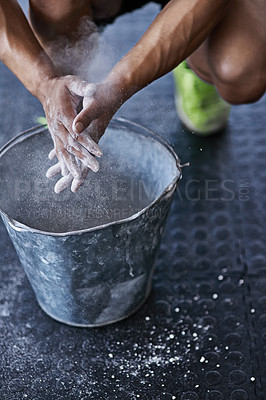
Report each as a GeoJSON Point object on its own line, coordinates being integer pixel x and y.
{"type": "Point", "coordinates": [100, 102]}
{"type": "Point", "coordinates": [75, 153]}
{"type": "Point", "coordinates": [82, 149]}
{"type": "Point", "coordinates": [99, 106]}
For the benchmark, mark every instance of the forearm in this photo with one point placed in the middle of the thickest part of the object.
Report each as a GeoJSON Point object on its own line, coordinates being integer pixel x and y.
{"type": "Point", "coordinates": [175, 33]}
{"type": "Point", "coordinates": [20, 51]}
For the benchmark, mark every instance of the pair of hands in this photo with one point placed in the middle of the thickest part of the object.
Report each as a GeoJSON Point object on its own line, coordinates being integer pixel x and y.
{"type": "Point", "coordinates": [75, 134]}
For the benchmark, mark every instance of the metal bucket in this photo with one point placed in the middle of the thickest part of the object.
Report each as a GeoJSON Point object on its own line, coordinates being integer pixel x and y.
{"type": "Point", "coordinates": [89, 256]}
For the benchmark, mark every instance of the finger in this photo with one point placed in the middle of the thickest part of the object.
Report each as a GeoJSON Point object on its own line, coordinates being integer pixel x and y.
{"type": "Point", "coordinates": [82, 88]}
{"type": "Point", "coordinates": [76, 183]}
{"type": "Point", "coordinates": [54, 170]}
{"type": "Point", "coordinates": [52, 154]}
{"type": "Point", "coordinates": [89, 144]}
{"type": "Point", "coordinates": [84, 141]}
{"type": "Point", "coordinates": [63, 166]}
{"type": "Point", "coordinates": [65, 119]}
{"type": "Point", "coordinates": [72, 164]}
{"type": "Point", "coordinates": [58, 148]}
{"type": "Point", "coordinates": [67, 123]}
{"type": "Point", "coordinates": [63, 183]}
{"type": "Point", "coordinates": [86, 116]}
{"type": "Point", "coordinates": [83, 155]}
{"type": "Point", "coordinates": [67, 161]}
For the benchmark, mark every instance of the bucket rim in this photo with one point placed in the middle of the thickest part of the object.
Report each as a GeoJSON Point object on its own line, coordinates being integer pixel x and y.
{"type": "Point", "coordinates": [115, 122]}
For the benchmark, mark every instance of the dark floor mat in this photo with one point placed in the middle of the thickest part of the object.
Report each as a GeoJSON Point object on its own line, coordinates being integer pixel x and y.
{"type": "Point", "coordinates": [202, 333]}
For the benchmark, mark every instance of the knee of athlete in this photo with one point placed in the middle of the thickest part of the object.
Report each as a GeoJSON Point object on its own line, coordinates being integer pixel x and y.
{"type": "Point", "coordinates": [49, 18]}
{"type": "Point", "coordinates": [238, 84]}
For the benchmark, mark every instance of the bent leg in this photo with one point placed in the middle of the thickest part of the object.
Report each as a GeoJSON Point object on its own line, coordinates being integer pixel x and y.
{"type": "Point", "coordinates": [233, 58]}
{"type": "Point", "coordinates": [66, 32]}
{"type": "Point", "coordinates": [50, 19]}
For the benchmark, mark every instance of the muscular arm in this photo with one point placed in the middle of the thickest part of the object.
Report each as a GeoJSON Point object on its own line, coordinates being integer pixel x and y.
{"type": "Point", "coordinates": [174, 34]}
{"type": "Point", "coordinates": [20, 51]}
{"type": "Point", "coordinates": [24, 56]}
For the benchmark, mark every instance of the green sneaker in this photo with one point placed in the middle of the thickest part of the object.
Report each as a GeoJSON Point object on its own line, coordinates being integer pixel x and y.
{"type": "Point", "coordinates": [198, 104]}
{"type": "Point", "coordinates": [41, 120]}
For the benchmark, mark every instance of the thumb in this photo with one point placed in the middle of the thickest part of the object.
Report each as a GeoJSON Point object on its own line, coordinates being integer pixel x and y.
{"type": "Point", "coordinates": [82, 88]}
{"type": "Point", "coordinates": [86, 116]}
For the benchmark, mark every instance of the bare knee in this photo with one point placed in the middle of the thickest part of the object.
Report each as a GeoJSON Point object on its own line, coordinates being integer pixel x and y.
{"type": "Point", "coordinates": [49, 18]}
{"type": "Point", "coordinates": [238, 83]}
{"type": "Point", "coordinates": [56, 11]}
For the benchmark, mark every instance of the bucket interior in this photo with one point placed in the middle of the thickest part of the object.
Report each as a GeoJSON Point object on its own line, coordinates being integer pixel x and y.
{"type": "Point", "coordinates": [134, 171]}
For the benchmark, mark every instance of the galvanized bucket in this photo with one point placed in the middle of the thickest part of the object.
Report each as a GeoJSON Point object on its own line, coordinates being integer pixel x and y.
{"type": "Point", "coordinates": [89, 256]}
